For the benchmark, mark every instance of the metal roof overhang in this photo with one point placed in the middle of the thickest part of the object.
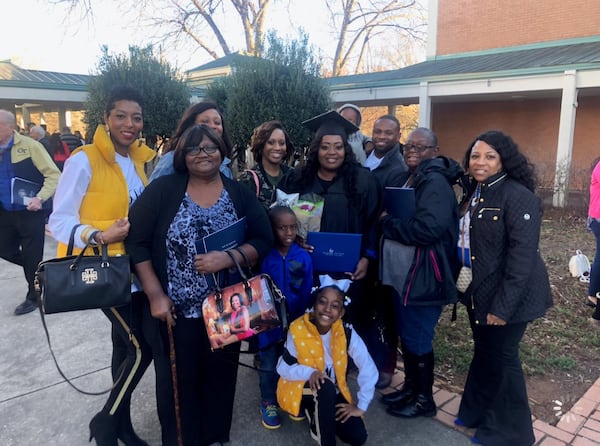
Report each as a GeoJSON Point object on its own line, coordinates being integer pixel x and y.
{"type": "Point", "coordinates": [511, 85]}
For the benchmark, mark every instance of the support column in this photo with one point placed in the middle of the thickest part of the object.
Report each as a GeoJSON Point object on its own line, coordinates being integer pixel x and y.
{"type": "Point", "coordinates": [26, 116]}
{"type": "Point", "coordinates": [392, 109]}
{"type": "Point", "coordinates": [62, 118]}
{"type": "Point", "coordinates": [424, 105]}
{"type": "Point", "coordinates": [566, 130]}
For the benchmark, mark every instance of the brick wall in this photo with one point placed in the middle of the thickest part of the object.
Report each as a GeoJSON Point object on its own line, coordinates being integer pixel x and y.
{"type": "Point", "coordinates": [51, 119]}
{"type": "Point", "coordinates": [472, 25]}
{"type": "Point", "coordinates": [534, 126]}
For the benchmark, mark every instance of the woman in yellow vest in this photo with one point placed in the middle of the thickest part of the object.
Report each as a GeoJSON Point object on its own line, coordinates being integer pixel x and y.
{"type": "Point", "coordinates": [313, 369]}
{"type": "Point", "coordinates": [98, 184]}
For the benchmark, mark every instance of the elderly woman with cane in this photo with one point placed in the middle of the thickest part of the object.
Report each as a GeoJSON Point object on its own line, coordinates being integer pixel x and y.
{"type": "Point", "coordinates": [167, 219]}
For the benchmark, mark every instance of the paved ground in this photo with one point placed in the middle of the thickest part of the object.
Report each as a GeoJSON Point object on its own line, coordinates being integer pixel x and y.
{"type": "Point", "coordinates": [37, 407]}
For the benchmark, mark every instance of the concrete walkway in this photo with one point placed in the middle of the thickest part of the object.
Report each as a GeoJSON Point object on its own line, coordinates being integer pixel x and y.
{"type": "Point", "coordinates": [37, 407]}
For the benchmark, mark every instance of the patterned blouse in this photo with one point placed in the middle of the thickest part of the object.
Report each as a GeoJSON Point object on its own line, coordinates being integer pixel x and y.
{"type": "Point", "coordinates": [187, 288]}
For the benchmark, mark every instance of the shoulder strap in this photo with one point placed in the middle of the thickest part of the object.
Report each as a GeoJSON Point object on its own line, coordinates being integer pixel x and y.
{"type": "Point", "coordinates": [256, 180]}
{"type": "Point", "coordinates": [61, 373]}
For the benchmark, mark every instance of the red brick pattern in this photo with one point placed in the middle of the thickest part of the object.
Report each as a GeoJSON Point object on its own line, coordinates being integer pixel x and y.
{"type": "Point", "coordinates": [580, 426]}
{"type": "Point", "coordinates": [467, 25]}
{"type": "Point", "coordinates": [533, 124]}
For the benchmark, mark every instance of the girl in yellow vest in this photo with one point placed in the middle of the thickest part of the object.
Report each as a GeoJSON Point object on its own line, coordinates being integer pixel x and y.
{"type": "Point", "coordinates": [313, 369]}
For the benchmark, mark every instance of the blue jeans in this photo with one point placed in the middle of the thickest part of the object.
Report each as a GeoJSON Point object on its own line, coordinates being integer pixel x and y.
{"type": "Point", "coordinates": [267, 376]}
{"type": "Point", "coordinates": [416, 326]}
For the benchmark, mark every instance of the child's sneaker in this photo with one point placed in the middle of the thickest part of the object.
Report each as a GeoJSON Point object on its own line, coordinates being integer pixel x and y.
{"type": "Point", "coordinates": [270, 415]}
{"type": "Point", "coordinates": [298, 418]}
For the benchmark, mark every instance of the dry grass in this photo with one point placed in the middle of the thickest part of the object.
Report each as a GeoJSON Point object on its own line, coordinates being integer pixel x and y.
{"type": "Point", "coordinates": [560, 351]}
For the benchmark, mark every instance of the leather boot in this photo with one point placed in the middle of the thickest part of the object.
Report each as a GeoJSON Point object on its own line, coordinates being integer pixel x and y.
{"type": "Point", "coordinates": [125, 430]}
{"type": "Point", "coordinates": [407, 390]}
{"type": "Point", "coordinates": [422, 404]}
{"type": "Point", "coordinates": [103, 428]}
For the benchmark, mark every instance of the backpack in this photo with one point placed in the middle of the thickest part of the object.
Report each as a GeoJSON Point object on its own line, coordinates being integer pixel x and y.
{"type": "Point", "coordinates": [579, 266]}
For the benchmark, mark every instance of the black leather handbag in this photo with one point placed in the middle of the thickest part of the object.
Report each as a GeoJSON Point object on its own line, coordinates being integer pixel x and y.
{"type": "Point", "coordinates": [83, 282]}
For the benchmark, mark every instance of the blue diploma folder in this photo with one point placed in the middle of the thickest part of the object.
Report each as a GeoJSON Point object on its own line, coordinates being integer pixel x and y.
{"type": "Point", "coordinates": [334, 252]}
{"type": "Point", "coordinates": [226, 238]}
{"type": "Point", "coordinates": [399, 202]}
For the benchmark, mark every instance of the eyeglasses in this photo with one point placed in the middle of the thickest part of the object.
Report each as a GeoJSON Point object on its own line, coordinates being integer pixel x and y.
{"type": "Point", "coordinates": [209, 150]}
{"type": "Point", "coordinates": [417, 147]}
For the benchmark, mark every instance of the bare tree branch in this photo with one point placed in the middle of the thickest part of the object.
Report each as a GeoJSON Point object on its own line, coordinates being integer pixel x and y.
{"type": "Point", "coordinates": [363, 20]}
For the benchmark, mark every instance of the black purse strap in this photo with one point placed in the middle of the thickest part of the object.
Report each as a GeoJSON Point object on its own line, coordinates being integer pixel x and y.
{"type": "Point", "coordinates": [72, 240]}
{"type": "Point", "coordinates": [245, 257]}
{"type": "Point", "coordinates": [247, 286]}
{"type": "Point", "coordinates": [60, 371]}
{"type": "Point", "coordinates": [58, 368]}
{"type": "Point", "coordinates": [237, 265]}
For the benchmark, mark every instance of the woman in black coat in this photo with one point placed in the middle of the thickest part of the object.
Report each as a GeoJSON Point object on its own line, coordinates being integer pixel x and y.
{"type": "Point", "coordinates": [501, 229]}
{"type": "Point", "coordinates": [419, 260]}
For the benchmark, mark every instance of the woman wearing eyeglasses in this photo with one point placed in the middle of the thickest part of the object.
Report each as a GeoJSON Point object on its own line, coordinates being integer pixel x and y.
{"type": "Point", "coordinates": [172, 213]}
{"type": "Point", "coordinates": [420, 261]}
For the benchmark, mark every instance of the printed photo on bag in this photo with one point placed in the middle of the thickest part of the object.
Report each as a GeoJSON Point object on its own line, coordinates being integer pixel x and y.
{"type": "Point", "coordinates": [235, 316]}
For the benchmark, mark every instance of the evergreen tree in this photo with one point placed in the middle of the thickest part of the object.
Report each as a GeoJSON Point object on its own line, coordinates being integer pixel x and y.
{"type": "Point", "coordinates": [284, 85]}
{"type": "Point", "coordinates": [165, 93]}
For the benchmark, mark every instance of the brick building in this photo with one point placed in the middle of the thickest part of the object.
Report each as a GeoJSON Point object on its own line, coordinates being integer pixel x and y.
{"type": "Point", "coordinates": [529, 68]}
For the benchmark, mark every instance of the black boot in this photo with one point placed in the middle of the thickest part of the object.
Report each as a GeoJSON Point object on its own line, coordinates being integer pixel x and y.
{"type": "Point", "coordinates": [407, 390]}
{"type": "Point", "coordinates": [422, 404]}
{"type": "Point", "coordinates": [103, 428]}
{"type": "Point", "coordinates": [125, 431]}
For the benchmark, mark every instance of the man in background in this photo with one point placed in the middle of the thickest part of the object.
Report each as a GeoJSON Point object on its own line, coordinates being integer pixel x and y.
{"type": "Point", "coordinates": [361, 144]}
{"type": "Point", "coordinates": [386, 160]}
{"type": "Point", "coordinates": [72, 141]}
{"type": "Point", "coordinates": [39, 134]}
{"type": "Point", "coordinates": [28, 179]}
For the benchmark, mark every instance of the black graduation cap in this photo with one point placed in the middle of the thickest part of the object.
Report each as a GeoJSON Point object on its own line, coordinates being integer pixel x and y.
{"type": "Point", "coordinates": [330, 123]}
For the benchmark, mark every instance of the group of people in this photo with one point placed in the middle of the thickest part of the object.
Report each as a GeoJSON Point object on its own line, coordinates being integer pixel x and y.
{"type": "Point", "coordinates": [404, 277]}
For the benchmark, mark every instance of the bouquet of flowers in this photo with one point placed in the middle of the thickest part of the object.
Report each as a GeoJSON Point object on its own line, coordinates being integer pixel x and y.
{"type": "Point", "coordinates": [307, 207]}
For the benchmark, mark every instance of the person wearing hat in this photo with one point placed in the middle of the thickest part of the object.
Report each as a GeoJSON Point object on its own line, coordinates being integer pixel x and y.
{"type": "Point", "coordinates": [361, 144]}
{"type": "Point", "coordinates": [352, 199]}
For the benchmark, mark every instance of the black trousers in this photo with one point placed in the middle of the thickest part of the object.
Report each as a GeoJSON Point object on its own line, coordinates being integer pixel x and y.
{"type": "Point", "coordinates": [322, 408]}
{"type": "Point", "coordinates": [206, 384]}
{"type": "Point", "coordinates": [131, 354]}
{"type": "Point", "coordinates": [22, 242]}
{"type": "Point", "coordinates": [495, 396]}
{"type": "Point", "coordinates": [371, 313]}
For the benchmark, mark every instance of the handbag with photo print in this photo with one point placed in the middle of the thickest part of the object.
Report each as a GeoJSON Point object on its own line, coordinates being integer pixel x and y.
{"type": "Point", "coordinates": [242, 310]}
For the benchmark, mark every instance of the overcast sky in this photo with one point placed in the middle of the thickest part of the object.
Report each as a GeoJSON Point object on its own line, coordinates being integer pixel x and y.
{"type": "Point", "coordinates": [36, 36]}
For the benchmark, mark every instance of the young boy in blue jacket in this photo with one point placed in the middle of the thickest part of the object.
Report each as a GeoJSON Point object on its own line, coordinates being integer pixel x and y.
{"type": "Point", "coordinates": [290, 267]}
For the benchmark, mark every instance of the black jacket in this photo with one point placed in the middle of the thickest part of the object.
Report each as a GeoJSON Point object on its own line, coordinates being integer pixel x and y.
{"type": "Point", "coordinates": [391, 167]}
{"type": "Point", "coordinates": [509, 276]}
{"type": "Point", "coordinates": [340, 214]}
{"type": "Point", "coordinates": [434, 227]}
